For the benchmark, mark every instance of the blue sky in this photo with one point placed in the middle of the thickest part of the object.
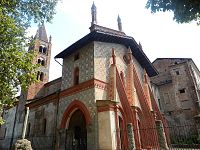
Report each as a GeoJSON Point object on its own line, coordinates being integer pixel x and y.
{"type": "Point", "coordinates": [159, 35]}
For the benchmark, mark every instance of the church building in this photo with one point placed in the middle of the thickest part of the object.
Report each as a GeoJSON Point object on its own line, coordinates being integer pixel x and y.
{"type": "Point", "coordinates": [102, 101]}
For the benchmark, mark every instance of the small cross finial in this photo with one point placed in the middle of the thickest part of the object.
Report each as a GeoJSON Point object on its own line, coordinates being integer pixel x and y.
{"type": "Point", "coordinates": [94, 14]}
{"type": "Point", "coordinates": [93, 6]}
{"type": "Point", "coordinates": [119, 23]}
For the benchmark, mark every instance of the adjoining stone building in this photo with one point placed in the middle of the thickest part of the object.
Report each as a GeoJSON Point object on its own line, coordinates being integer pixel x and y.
{"type": "Point", "coordinates": [102, 101]}
{"type": "Point", "coordinates": [178, 83]}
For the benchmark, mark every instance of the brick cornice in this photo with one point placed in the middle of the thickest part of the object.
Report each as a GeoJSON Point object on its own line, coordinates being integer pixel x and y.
{"type": "Point", "coordinates": [93, 83]}
{"type": "Point", "coordinates": [105, 105]}
{"type": "Point", "coordinates": [43, 101]}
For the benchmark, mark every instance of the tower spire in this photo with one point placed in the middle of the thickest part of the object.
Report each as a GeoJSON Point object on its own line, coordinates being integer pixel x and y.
{"type": "Point", "coordinates": [94, 14]}
{"type": "Point", "coordinates": [41, 33]}
{"type": "Point", "coordinates": [119, 23]}
{"type": "Point", "coordinates": [42, 47]}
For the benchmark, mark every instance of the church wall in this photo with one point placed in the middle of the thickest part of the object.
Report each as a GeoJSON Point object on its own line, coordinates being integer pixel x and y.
{"type": "Point", "coordinates": [87, 98]}
{"type": "Point", "coordinates": [6, 129]}
{"type": "Point", "coordinates": [52, 88]}
{"type": "Point", "coordinates": [177, 96]}
{"type": "Point", "coordinates": [85, 64]}
{"type": "Point", "coordinates": [100, 94]}
{"type": "Point", "coordinates": [139, 69]}
{"type": "Point", "coordinates": [38, 118]}
{"type": "Point", "coordinates": [102, 60]}
{"type": "Point", "coordinates": [37, 115]}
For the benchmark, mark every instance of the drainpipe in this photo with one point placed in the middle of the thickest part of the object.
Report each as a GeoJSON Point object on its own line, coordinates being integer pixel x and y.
{"type": "Point", "coordinates": [58, 61]}
{"type": "Point", "coordinates": [56, 117]}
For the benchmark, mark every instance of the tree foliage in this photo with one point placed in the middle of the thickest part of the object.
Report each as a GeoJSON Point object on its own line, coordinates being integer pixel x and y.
{"type": "Point", "coordinates": [16, 68]}
{"type": "Point", "coordinates": [184, 11]}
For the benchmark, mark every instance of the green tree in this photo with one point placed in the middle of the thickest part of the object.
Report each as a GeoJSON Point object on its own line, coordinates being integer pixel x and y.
{"type": "Point", "coordinates": [16, 68]}
{"type": "Point", "coordinates": [184, 11]}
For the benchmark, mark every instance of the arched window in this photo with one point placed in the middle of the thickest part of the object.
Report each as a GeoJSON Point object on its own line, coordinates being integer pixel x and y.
{"type": "Point", "coordinates": [38, 75]}
{"type": "Point", "coordinates": [76, 76]}
{"type": "Point", "coordinates": [40, 49]}
{"type": "Point", "coordinates": [41, 76]}
{"type": "Point", "coordinates": [44, 126]}
{"type": "Point", "coordinates": [44, 50]}
{"type": "Point", "coordinates": [42, 62]}
{"type": "Point", "coordinates": [39, 61]}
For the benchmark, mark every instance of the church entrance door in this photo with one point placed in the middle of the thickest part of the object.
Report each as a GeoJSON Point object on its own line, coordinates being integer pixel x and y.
{"type": "Point", "coordinates": [76, 134]}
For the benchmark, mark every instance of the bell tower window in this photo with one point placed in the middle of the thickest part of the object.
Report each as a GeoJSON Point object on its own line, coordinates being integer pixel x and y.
{"type": "Point", "coordinates": [41, 61]}
{"type": "Point", "coordinates": [76, 76]}
{"type": "Point", "coordinates": [40, 76]}
{"type": "Point", "coordinates": [42, 49]}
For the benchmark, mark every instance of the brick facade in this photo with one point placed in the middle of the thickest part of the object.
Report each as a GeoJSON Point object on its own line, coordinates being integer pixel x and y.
{"type": "Point", "coordinates": [95, 84]}
{"type": "Point", "coordinates": [178, 82]}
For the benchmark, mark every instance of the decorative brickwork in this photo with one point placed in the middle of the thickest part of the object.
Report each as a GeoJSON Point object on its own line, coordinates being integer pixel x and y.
{"type": "Point", "coordinates": [76, 104]}
{"type": "Point", "coordinates": [85, 61]}
{"type": "Point", "coordinates": [112, 81]}
{"type": "Point", "coordinates": [102, 99]}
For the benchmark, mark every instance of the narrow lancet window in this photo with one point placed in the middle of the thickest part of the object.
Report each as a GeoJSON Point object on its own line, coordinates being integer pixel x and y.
{"type": "Point", "coordinates": [76, 76]}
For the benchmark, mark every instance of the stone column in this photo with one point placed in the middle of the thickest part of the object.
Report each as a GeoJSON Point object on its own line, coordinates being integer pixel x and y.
{"type": "Point", "coordinates": [25, 123]}
{"type": "Point", "coordinates": [107, 134]}
{"type": "Point", "coordinates": [161, 135]}
{"type": "Point", "coordinates": [131, 143]}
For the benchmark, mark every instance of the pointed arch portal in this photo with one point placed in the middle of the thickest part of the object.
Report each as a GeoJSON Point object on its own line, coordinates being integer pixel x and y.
{"type": "Point", "coordinates": [75, 105]}
{"type": "Point", "coordinates": [75, 120]}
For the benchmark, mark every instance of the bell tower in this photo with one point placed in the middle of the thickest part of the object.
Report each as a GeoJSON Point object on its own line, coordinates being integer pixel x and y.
{"type": "Point", "coordinates": [42, 48]}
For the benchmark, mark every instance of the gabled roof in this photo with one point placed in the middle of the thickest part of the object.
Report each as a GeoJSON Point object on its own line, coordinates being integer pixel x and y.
{"type": "Point", "coordinates": [182, 59]}
{"type": "Point", "coordinates": [102, 34]}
